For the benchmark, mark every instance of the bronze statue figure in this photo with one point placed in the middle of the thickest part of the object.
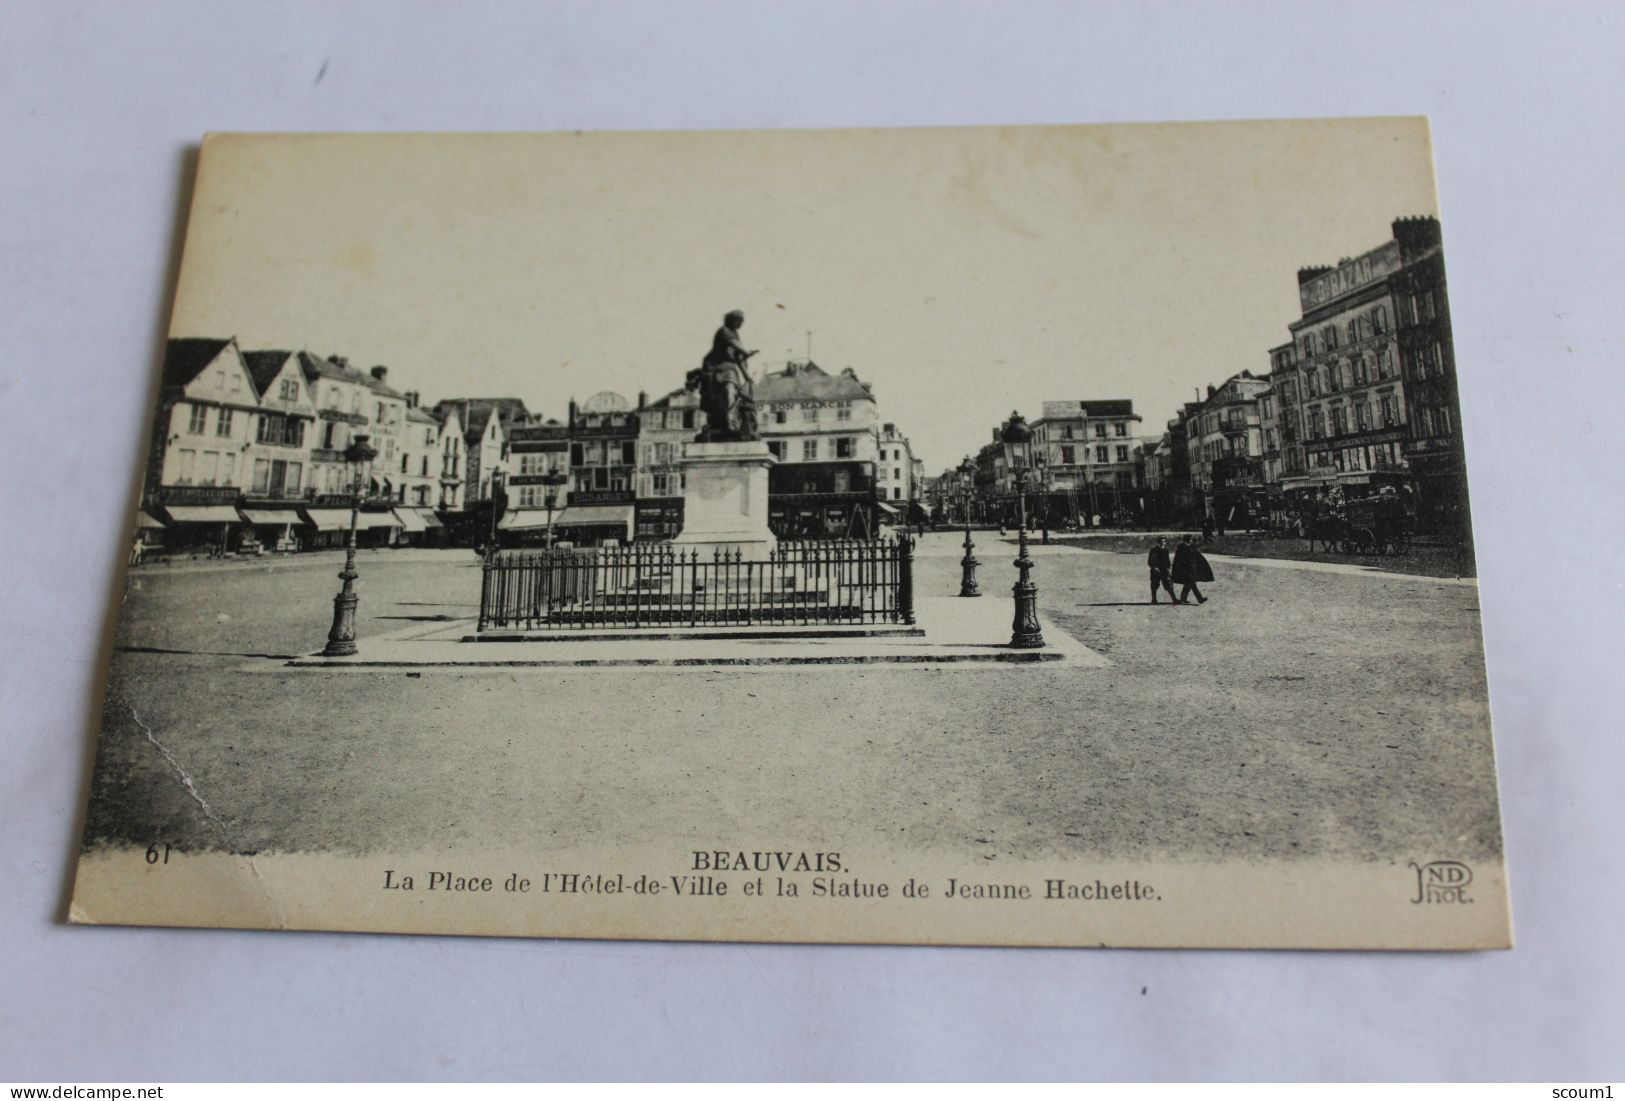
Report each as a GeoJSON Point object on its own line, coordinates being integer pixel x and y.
{"type": "Point", "coordinates": [724, 385]}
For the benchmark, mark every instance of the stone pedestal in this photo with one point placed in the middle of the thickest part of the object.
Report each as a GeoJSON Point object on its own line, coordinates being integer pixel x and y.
{"type": "Point", "coordinates": [725, 498]}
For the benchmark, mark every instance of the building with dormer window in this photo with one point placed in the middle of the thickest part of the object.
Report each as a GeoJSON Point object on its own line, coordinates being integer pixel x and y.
{"type": "Point", "coordinates": [824, 431]}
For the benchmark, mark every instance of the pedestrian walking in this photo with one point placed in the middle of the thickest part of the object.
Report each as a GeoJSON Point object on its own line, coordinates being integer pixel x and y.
{"type": "Point", "coordinates": [1189, 568]}
{"type": "Point", "coordinates": [137, 551]}
{"type": "Point", "coordinates": [1160, 570]}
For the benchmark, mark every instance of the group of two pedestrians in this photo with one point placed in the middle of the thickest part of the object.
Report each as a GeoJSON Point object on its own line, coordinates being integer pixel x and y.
{"type": "Point", "coordinates": [1188, 568]}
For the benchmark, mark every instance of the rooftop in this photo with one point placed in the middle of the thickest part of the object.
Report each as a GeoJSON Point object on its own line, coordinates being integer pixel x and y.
{"type": "Point", "coordinates": [810, 382]}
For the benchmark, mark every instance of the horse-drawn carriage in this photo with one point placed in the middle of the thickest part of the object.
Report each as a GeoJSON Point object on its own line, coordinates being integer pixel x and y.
{"type": "Point", "coordinates": [1379, 524]}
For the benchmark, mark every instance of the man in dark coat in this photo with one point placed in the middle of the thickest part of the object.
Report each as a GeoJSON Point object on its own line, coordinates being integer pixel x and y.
{"type": "Point", "coordinates": [1158, 561]}
{"type": "Point", "coordinates": [1190, 566]}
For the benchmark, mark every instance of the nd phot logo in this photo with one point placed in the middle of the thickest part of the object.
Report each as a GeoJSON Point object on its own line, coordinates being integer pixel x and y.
{"type": "Point", "coordinates": [1441, 881]}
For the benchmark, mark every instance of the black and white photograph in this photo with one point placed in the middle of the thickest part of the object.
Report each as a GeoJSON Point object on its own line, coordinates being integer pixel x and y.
{"type": "Point", "coordinates": [997, 535]}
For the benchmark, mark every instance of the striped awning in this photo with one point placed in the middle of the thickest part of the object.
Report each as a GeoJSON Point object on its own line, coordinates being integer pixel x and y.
{"type": "Point", "coordinates": [145, 519]}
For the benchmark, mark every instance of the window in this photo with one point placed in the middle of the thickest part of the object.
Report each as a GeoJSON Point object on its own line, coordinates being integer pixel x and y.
{"type": "Point", "coordinates": [1122, 428]}
{"type": "Point", "coordinates": [843, 414]}
{"type": "Point", "coordinates": [843, 447]}
{"type": "Point", "coordinates": [423, 467]}
{"type": "Point", "coordinates": [809, 450]}
{"type": "Point", "coordinates": [1339, 421]}
{"type": "Point", "coordinates": [629, 453]}
{"type": "Point", "coordinates": [808, 413]}
{"type": "Point", "coordinates": [1390, 411]}
{"type": "Point", "coordinates": [403, 462]}
{"type": "Point", "coordinates": [897, 493]}
{"type": "Point", "coordinates": [1379, 319]}
{"type": "Point", "coordinates": [206, 467]}
{"type": "Point", "coordinates": [198, 422]}
{"type": "Point", "coordinates": [1100, 431]}
{"type": "Point", "coordinates": [1100, 455]}
{"type": "Point", "coordinates": [843, 481]}
{"type": "Point", "coordinates": [896, 474]}
{"type": "Point", "coordinates": [660, 483]}
{"type": "Point", "coordinates": [1362, 416]}
{"type": "Point", "coordinates": [262, 475]}
{"type": "Point", "coordinates": [1445, 426]}
{"type": "Point", "coordinates": [1329, 337]}
{"type": "Point", "coordinates": [1122, 453]}
{"type": "Point", "coordinates": [778, 416]}
{"type": "Point", "coordinates": [1068, 455]}
{"type": "Point", "coordinates": [355, 402]}
{"type": "Point", "coordinates": [228, 469]}
{"type": "Point", "coordinates": [776, 447]}
{"type": "Point", "coordinates": [289, 390]}
{"type": "Point", "coordinates": [1317, 425]}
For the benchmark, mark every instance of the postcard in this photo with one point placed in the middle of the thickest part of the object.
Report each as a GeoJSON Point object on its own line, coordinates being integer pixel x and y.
{"type": "Point", "coordinates": [1051, 536]}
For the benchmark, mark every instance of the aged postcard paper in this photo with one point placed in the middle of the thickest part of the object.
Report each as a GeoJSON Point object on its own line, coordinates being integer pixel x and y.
{"type": "Point", "coordinates": [1030, 536]}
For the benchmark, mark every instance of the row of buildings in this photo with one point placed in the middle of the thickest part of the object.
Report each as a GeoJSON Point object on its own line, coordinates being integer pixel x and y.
{"type": "Point", "coordinates": [1361, 396]}
{"type": "Point", "coordinates": [1080, 464]}
{"type": "Point", "coordinates": [248, 453]}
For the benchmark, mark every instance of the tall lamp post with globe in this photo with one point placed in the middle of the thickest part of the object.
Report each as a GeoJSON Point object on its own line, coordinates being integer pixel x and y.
{"type": "Point", "coordinates": [341, 638]}
{"type": "Point", "coordinates": [1024, 630]}
{"type": "Point", "coordinates": [967, 564]}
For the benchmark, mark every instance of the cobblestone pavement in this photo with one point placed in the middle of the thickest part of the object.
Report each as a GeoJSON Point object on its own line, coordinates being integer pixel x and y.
{"type": "Point", "coordinates": [1298, 713]}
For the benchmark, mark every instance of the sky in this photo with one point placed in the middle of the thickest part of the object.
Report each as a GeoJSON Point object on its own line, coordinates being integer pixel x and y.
{"type": "Point", "coordinates": [963, 272]}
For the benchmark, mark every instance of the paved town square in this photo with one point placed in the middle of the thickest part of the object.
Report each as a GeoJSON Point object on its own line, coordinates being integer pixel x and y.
{"type": "Point", "coordinates": [1305, 710]}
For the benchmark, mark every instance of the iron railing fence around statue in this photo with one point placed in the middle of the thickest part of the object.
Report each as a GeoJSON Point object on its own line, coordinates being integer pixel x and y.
{"type": "Point", "coordinates": [661, 584]}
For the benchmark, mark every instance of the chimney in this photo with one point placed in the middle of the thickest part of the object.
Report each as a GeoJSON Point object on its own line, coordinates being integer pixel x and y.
{"type": "Point", "coordinates": [380, 373]}
{"type": "Point", "coordinates": [341, 362]}
{"type": "Point", "coordinates": [1211, 390]}
{"type": "Point", "coordinates": [411, 399]}
{"type": "Point", "coordinates": [643, 399]}
{"type": "Point", "coordinates": [572, 421]}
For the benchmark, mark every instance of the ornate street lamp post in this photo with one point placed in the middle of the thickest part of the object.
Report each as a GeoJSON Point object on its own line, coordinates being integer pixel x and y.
{"type": "Point", "coordinates": [341, 637]}
{"type": "Point", "coordinates": [967, 564]}
{"type": "Point", "coordinates": [552, 480]}
{"type": "Point", "coordinates": [1024, 631]}
{"type": "Point", "coordinates": [499, 504]}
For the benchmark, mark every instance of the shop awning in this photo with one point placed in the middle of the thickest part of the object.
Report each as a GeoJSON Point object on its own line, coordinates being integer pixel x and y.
{"type": "Point", "coordinates": [521, 519]}
{"type": "Point", "coordinates": [430, 520]}
{"type": "Point", "coordinates": [329, 519]}
{"type": "Point", "coordinates": [368, 520]}
{"type": "Point", "coordinates": [277, 516]}
{"type": "Point", "coordinates": [145, 519]}
{"type": "Point", "coordinates": [583, 516]}
{"type": "Point", "coordinates": [410, 520]}
{"type": "Point", "coordinates": [204, 514]}
{"type": "Point", "coordinates": [884, 507]}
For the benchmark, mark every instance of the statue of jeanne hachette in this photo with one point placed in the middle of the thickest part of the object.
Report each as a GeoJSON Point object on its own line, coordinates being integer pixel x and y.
{"type": "Point", "coordinates": [724, 385]}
